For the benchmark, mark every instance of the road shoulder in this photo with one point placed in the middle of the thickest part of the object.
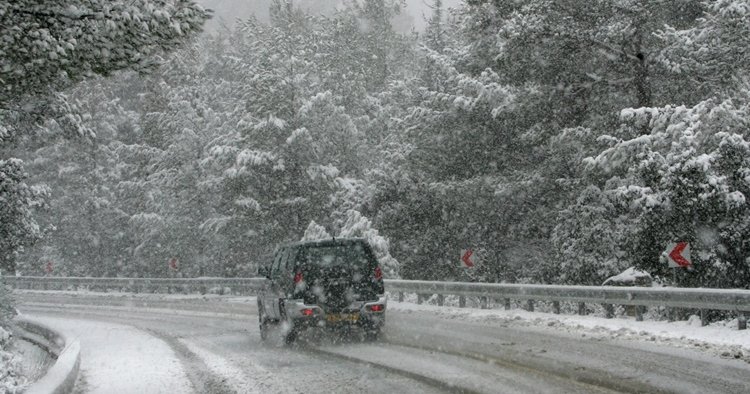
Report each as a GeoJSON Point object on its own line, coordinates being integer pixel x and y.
{"type": "Point", "coordinates": [143, 363]}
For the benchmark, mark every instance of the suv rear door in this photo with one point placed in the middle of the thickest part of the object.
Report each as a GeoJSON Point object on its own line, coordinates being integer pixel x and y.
{"type": "Point", "coordinates": [336, 274]}
{"type": "Point", "coordinates": [275, 287]}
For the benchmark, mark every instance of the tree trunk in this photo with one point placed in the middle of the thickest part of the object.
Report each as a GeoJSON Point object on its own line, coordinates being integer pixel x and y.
{"type": "Point", "coordinates": [642, 86]}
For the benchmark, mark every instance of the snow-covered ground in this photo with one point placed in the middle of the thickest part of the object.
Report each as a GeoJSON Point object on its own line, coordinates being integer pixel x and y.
{"type": "Point", "coordinates": [11, 377]}
{"type": "Point", "coordinates": [217, 339]}
{"type": "Point", "coordinates": [722, 338]}
{"type": "Point", "coordinates": [121, 359]}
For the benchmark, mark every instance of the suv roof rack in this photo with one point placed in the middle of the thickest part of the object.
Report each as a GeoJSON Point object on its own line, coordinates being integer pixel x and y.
{"type": "Point", "coordinates": [331, 241]}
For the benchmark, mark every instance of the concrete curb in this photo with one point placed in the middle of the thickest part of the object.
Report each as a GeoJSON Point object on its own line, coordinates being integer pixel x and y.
{"type": "Point", "coordinates": [61, 377]}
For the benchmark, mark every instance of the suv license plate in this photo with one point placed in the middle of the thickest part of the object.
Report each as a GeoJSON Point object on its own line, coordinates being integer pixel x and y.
{"type": "Point", "coordinates": [343, 317]}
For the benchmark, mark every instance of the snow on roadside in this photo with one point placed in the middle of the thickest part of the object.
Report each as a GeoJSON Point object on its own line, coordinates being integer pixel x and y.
{"type": "Point", "coordinates": [720, 338]}
{"type": "Point", "coordinates": [143, 363]}
{"type": "Point", "coordinates": [10, 379]}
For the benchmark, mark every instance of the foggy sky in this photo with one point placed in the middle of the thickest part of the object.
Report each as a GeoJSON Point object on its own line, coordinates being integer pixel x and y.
{"type": "Point", "coordinates": [228, 11]}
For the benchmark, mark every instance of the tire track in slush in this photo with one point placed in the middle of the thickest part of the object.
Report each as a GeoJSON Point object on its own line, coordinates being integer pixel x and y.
{"type": "Point", "coordinates": [203, 379]}
{"type": "Point", "coordinates": [436, 383]}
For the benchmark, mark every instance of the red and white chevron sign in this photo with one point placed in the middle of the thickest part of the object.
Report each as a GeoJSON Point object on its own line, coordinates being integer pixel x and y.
{"type": "Point", "coordinates": [467, 258]}
{"type": "Point", "coordinates": [678, 255]}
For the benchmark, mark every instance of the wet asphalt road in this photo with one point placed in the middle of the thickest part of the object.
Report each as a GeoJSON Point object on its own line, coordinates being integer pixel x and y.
{"type": "Point", "coordinates": [418, 352]}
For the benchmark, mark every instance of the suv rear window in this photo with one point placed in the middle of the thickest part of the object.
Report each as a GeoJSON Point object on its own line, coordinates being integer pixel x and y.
{"type": "Point", "coordinates": [352, 255]}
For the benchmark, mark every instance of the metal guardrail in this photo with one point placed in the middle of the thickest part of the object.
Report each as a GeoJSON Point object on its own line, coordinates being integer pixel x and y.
{"type": "Point", "coordinates": [139, 285]}
{"type": "Point", "coordinates": [737, 301]}
{"type": "Point", "coordinates": [639, 298]}
{"type": "Point", "coordinates": [697, 298]}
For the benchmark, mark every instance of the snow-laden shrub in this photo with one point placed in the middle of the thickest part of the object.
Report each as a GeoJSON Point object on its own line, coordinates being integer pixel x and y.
{"type": "Point", "coordinates": [7, 311]}
{"type": "Point", "coordinates": [4, 337]}
{"type": "Point", "coordinates": [315, 231]}
{"type": "Point", "coordinates": [11, 380]}
{"type": "Point", "coordinates": [356, 225]}
{"type": "Point", "coordinates": [686, 180]}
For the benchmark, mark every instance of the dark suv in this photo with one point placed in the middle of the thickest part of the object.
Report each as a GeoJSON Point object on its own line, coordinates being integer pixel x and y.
{"type": "Point", "coordinates": [327, 283]}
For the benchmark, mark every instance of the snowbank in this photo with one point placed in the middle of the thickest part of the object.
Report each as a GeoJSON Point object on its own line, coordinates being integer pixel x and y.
{"type": "Point", "coordinates": [629, 277]}
{"type": "Point", "coordinates": [61, 377]}
{"type": "Point", "coordinates": [144, 363]}
{"type": "Point", "coordinates": [10, 380]}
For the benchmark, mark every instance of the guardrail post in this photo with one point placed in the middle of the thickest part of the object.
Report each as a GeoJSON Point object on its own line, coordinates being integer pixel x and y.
{"type": "Point", "coordinates": [741, 321]}
{"type": "Point", "coordinates": [507, 304]}
{"type": "Point", "coordinates": [582, 308]}
{"type": "Point", "coordinates": [671, 312]}
{"type": "Point", "coordinates": [419, 298]}
{"type": "Point", "coordinates": [556, 307]}
{"type": "Point", "coordinates": [462, 301]}
{"type": "Point", "coordinates": [609, 311]}
{"type": "Point", "coordinates": [484, 303]}
{"type": "Point", "coordinates": [400, 296]}
{"type": "Point", "coordinates": [530, 305]}
{"type": "Point", "coordinates": [440, 299]}
{"type": "Point", "coordinates": [639, 309]}
{"type": "Point", "coordinates": [704, 318]}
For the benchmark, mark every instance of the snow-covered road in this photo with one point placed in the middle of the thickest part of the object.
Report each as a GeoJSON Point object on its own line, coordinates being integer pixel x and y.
{"type": "Point", "coordinates": [212, 344]}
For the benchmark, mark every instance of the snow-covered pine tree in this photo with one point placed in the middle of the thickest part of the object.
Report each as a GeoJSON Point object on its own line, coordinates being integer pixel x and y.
{"type": "Point", "coordinates": [685, 179]}
{"type": "Point", "coordinates": [17, 224]}
{"type": "Point", "coordinates": [47, 47]}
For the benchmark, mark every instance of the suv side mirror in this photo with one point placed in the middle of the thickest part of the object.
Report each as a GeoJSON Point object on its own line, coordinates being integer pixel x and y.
{"type": "Point", "coordinates": [263, 271]}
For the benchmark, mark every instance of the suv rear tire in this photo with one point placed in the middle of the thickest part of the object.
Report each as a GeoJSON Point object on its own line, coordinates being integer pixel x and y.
{"type": "Point", "coordinates": [263, 323]}
{"type": "Point", "coordinates": [291, 336]}
{"type": "Point", "coordinates": [372, 335]}
{"type": "Point", "coordinates": [264, 329]}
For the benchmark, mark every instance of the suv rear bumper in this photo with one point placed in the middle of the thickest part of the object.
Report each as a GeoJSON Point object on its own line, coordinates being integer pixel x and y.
{"type": "Point", "coordinates": [300, 314]}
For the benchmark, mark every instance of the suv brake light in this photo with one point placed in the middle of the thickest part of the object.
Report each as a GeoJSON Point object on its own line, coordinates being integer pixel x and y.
{"type": "Point", "coordinates": [376, 308]}
{"type": "Point", "coordinates": [378, 273]}
{"type": "Point", "coordinates": [297, 278]}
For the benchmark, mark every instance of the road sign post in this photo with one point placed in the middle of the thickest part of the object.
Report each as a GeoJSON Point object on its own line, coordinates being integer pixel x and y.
{"type": "Point", "coordinates": [677, 255]}
{"type": "Point", "coordinates": [467, 261]}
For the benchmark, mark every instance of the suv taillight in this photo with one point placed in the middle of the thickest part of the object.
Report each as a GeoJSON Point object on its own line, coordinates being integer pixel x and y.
{"type": "Point", "coordinates": [378, 273]}
{"type": "Point", "coordinates": [298, 278]}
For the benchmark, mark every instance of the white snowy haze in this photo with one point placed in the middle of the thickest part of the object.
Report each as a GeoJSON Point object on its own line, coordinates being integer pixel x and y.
{"type": "Point", "coordinates": [226, 12]}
